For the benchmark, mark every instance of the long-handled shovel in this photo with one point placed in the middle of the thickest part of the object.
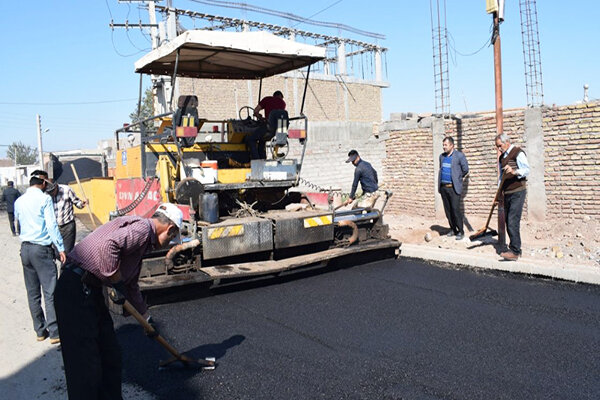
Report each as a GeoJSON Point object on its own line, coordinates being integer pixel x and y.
{"type": "Point", "coordinates": [209, 363]}
{"type": "Point", "coordinates": [484, 231]}
{"type": "Point", "coordinates": [84, 196]}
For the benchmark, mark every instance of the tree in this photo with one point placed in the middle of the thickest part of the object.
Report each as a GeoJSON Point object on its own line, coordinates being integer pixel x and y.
{"type": "Point", "coordinates": [147, 109]}
{"type": "Point", "coordinates": [25, 155]}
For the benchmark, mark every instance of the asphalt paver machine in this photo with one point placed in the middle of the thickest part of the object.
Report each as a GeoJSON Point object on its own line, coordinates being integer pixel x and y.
{"type": "Point", "coordinates": [243, 217]}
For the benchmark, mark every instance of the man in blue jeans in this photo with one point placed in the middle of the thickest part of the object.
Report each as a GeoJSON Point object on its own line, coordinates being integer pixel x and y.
{"type": "Point", "coordinates": [453, 169]}
{"type": "Point", "coordinates": [513, 164]}
{"type": "Point", "coordinates": [35, 212]}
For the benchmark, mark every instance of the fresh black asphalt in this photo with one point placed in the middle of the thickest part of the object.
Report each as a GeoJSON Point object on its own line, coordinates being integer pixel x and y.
{"type": "Point", "coordinates": [393, 329]}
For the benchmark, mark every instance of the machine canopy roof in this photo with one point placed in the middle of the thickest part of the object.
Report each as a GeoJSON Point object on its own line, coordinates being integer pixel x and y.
{"type": "Point", "coordinates": [229, 55]}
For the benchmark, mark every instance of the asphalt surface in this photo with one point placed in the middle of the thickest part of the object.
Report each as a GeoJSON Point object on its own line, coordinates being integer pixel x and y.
{"type": "Point", "coordinates": [392, 329]}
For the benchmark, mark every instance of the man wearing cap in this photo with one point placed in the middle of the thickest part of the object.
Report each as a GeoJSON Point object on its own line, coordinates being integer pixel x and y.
{"type": "Point", "coordinates": [10, 195]}
{"type": "Point", "coordinates": [35, 213]}
{"type": "Point", "coordinates": [274, 109]}
{"type": "Point", "coordinates": [366, 175]}
{"type": "Point", "coordinates": [109, 256]}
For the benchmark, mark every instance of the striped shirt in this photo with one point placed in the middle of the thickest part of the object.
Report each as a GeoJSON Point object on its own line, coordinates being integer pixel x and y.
{"type": "Point", "coordinates": [118, 245]}
{"type": "Point", "coordinates": [63, 204]}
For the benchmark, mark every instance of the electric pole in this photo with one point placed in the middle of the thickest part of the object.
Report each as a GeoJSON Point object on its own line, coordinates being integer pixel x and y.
{"type": "Point", "coordinates": [39, 138]}
{"type": "Point", "coordinates": [497, 9]}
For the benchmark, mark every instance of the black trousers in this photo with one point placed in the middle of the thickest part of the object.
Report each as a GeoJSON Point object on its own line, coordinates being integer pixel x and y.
{"type": "Point", "coordinates": [513, 208]}
{"type": "Point", "coordinates": [90, 350]}
{"type": "Point", "coordinates": [451, 202]}
{"type": "Point", "coordinates": [68, 232]}
{"type": "Point", "coordinates": [11, 223]}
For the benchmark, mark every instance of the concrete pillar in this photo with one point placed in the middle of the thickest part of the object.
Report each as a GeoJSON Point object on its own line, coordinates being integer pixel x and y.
{"type": "Point", "coordinates": [378, 69]}
{"type": "Point", "coordinates": [251, 100]}
{"type": "Point", "coordinates": [534, 147]}
{"type": "Point", "coordinates": [341, 53]}
{"type": "Point", "coordinates": [438, 133]}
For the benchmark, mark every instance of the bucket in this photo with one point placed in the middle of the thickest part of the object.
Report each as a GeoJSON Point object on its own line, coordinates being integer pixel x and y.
{"type": "Point", "coordinates": [210, 207]}
{"type": "Point", "coordinates": [207, 173]}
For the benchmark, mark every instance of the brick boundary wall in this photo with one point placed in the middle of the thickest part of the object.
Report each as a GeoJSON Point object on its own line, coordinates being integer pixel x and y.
{"type": "Point", "coordinates": [571, 159]}
{"type": "Point", "coordinates": [326, 99]}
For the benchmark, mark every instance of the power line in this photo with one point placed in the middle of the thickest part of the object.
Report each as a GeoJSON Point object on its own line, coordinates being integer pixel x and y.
{"type": "Point", "coordinates": [293, 17]}
{"type": "Point", "coordinates": [65, 104]}
{"type": "Point", "coordinates": [319, 12]}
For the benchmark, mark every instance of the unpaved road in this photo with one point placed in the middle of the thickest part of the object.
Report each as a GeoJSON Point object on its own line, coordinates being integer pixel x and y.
{"type": "Point", "coordinates": [28, 369]}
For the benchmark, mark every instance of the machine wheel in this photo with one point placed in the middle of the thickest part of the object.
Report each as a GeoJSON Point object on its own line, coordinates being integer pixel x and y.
{"type": "Point", "coordinates": [189, 188]}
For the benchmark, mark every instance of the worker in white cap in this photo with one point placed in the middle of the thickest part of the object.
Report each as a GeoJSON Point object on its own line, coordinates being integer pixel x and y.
{"type": "Point", "coordinates": [109, 256]}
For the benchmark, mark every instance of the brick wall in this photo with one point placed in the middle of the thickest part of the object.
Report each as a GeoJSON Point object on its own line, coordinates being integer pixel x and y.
{"type": "Point", "coordinates": [326, 98]}
{"type": "Point", "coordinates": [571, 160]}
{"type": "Point", "coordinates": [408, 171]}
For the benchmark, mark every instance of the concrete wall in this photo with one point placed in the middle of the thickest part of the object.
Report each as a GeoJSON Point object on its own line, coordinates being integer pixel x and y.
{"type": "Point", "coordinates": [562, 146]}
{"type": "Point", "coordinates": [327, 150]}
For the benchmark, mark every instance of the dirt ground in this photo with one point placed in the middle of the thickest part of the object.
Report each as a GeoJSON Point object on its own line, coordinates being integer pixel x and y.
{"type": "Point", "coordinates": [553, 242]}
{"type": "Point", "coordinates": [29, 369]}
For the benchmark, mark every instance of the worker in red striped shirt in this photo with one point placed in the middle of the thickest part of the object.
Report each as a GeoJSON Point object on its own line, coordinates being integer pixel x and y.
{"type": "Point", "coordinates": [109, 256]}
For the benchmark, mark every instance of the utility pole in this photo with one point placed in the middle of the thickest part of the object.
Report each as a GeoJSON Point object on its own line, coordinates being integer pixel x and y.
{"type": "Point", "coordinates": [39, 138]}
{"type": "Point", "coordinates": [499, 115]}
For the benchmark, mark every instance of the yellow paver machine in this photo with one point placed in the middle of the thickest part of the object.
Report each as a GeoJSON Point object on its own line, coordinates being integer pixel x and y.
{"type": "Point", "coordinates": [243, 217]}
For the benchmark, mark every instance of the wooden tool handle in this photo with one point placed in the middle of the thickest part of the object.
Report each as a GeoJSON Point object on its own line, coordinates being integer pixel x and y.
{"type": "Point", "coordinates": [495, 201]}
{"type": "Point", "coordinates": [84, 196]}
{"type": "Point", "coordinates": [135, 314]}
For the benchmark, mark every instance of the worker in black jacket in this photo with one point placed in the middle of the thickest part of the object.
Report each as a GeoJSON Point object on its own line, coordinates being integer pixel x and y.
{"type": "Point", "coordinates": [10, 195]}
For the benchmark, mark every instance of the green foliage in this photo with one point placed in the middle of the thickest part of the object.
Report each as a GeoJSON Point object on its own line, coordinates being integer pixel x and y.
{"type": "Point", "coordinates": [25, 155]}
{"type": "Point", "coordinates": [147, 109]}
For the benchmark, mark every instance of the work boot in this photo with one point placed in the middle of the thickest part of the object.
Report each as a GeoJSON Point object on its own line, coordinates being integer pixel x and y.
{"type": "Point", "coordinates": [509, 256]}
{"type": "Point", "coordinates": [55, 341]}
{"type": "Point", "coordinates": [43, 337]}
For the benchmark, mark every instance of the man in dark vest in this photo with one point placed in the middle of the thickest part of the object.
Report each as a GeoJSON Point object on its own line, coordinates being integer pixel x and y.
{"type": "Point", "coordinates": [513, 164]}
{"type": "Point", "coordinates": [453, 168]}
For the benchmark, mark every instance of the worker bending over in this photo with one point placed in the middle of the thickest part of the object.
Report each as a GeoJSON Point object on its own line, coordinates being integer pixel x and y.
{"type": "Point", "coordinates": [109, 256]}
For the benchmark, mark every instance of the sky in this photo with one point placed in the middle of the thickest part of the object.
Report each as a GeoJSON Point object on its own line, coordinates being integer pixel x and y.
{"type": "Point", "coordinates": [61, 60]}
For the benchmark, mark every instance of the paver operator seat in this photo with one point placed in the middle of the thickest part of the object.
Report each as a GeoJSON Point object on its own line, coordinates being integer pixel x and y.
{"type": "Point", "coordinates": [185, 120]}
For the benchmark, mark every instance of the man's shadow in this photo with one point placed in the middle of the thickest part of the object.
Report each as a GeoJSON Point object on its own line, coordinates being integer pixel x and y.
{"type": "Point", "coordinates": [142, 357]}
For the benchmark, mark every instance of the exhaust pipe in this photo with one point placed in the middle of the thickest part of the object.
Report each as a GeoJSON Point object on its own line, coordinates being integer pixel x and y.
{"type": "Point", "coordinates": [352, 225]}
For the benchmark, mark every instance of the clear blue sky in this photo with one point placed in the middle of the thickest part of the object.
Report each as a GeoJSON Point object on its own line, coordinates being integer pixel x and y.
{"type": "Point", "coordinates": [63, 51]}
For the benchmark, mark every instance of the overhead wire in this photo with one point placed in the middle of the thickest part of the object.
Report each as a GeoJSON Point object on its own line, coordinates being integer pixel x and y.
{"type": "Point", "coordinates": [291, 16]}
{"type": "Point", "coordinates": [64, 103]}
{"type": "Point", "coordinates": [112, 37]}
{"type": "Point", "coordinates": [319, 12]}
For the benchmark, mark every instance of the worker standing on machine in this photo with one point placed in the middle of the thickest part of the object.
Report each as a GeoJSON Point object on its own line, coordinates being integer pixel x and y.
{"type": "Point", "coordinates": [274, 108]}
{"type": "Point", "coordinates": [111, 256]}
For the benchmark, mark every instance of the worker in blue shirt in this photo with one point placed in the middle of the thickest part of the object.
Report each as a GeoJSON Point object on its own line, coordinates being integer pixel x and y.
{"type": "Point", "coordinates": [453, 169]}
{"type": "Point", "coordinates": [367, 176]}
{"type": "Point", "coordinates": [35, 212]}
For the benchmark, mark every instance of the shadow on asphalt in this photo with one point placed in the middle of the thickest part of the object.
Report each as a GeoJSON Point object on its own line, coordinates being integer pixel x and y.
{"type": "Point", "coordinates": [141, 358]}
